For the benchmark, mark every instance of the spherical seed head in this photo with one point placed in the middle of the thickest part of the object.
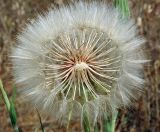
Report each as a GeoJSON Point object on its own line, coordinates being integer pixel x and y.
{"type": "Point", "coordinates": [79, 58]}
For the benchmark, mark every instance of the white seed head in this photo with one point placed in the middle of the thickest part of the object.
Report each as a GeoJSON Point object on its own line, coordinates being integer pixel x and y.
{"type": "Point", "coordinates": [85, 57]}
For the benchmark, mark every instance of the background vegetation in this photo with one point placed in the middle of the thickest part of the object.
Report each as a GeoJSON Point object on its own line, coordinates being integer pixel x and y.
{"type": "Point", "coordinates": [144, 116]}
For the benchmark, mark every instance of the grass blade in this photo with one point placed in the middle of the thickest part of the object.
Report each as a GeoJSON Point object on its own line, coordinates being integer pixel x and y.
{"type": "Point", "coordinates": [10, 107]}
{"type": "Point", "coordinates": [86, 123]}
{"type": "Point", "coordinates": [13, 116]}
{"type": "Point", "coordinates": [123, 6]}
{"type": "Point", "coordinates": [109, 124]}
{"type": "Point", "coordinates": [6, 100]}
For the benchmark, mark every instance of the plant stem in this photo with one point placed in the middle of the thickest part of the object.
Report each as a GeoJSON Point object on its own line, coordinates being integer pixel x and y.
{"type": "Point", "coordinates": [10, 107]}
{"type": "Point", "coordinates": [123, 6]}
{"type": "Point", "coordinates": [113, 122]}
{"type": "Point", "coordinates": [86, 123]}
{"type": "Point", "coordinates": [6, 100]}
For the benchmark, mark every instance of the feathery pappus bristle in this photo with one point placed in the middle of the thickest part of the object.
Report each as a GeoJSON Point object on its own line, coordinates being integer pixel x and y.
{"type": "Point", "coordinates": [85, 57]}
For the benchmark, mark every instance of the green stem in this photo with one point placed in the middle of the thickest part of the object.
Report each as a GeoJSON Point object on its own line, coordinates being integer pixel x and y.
{"type": "Point", "coordinates": [123, 6]}
{"type": "Point", "coordinates": [86, 123]}
{"type": "Point", "coordinates": [6, 100]}
{"type": "Point", "coordinates": [113, 122]}
{"type": "Point", "coordinates": [110, 124]}
{"type": "Point", "coordinates": [10, 107]}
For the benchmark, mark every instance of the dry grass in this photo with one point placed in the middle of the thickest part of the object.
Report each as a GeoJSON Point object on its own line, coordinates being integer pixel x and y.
{"type": "Point", "coordinates": [143, 117]}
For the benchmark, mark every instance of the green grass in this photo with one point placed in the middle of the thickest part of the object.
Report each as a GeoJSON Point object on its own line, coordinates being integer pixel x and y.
{"type": "Point", "coordinates": [123, 6]}
{"type": "Point", "coordinates": [110, 124]}
{"type": "Point", "coordinates": [86, 123]}
{"type": "Point", "coordinates": [10, 107]}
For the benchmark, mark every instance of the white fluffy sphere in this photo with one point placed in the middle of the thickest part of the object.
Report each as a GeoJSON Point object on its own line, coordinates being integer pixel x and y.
{"type": "Point", "coordinates": [84, 57]}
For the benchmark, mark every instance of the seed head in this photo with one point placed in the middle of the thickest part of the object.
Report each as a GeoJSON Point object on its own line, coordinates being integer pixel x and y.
{"type": "Point", "coordinates": [85, 57]}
